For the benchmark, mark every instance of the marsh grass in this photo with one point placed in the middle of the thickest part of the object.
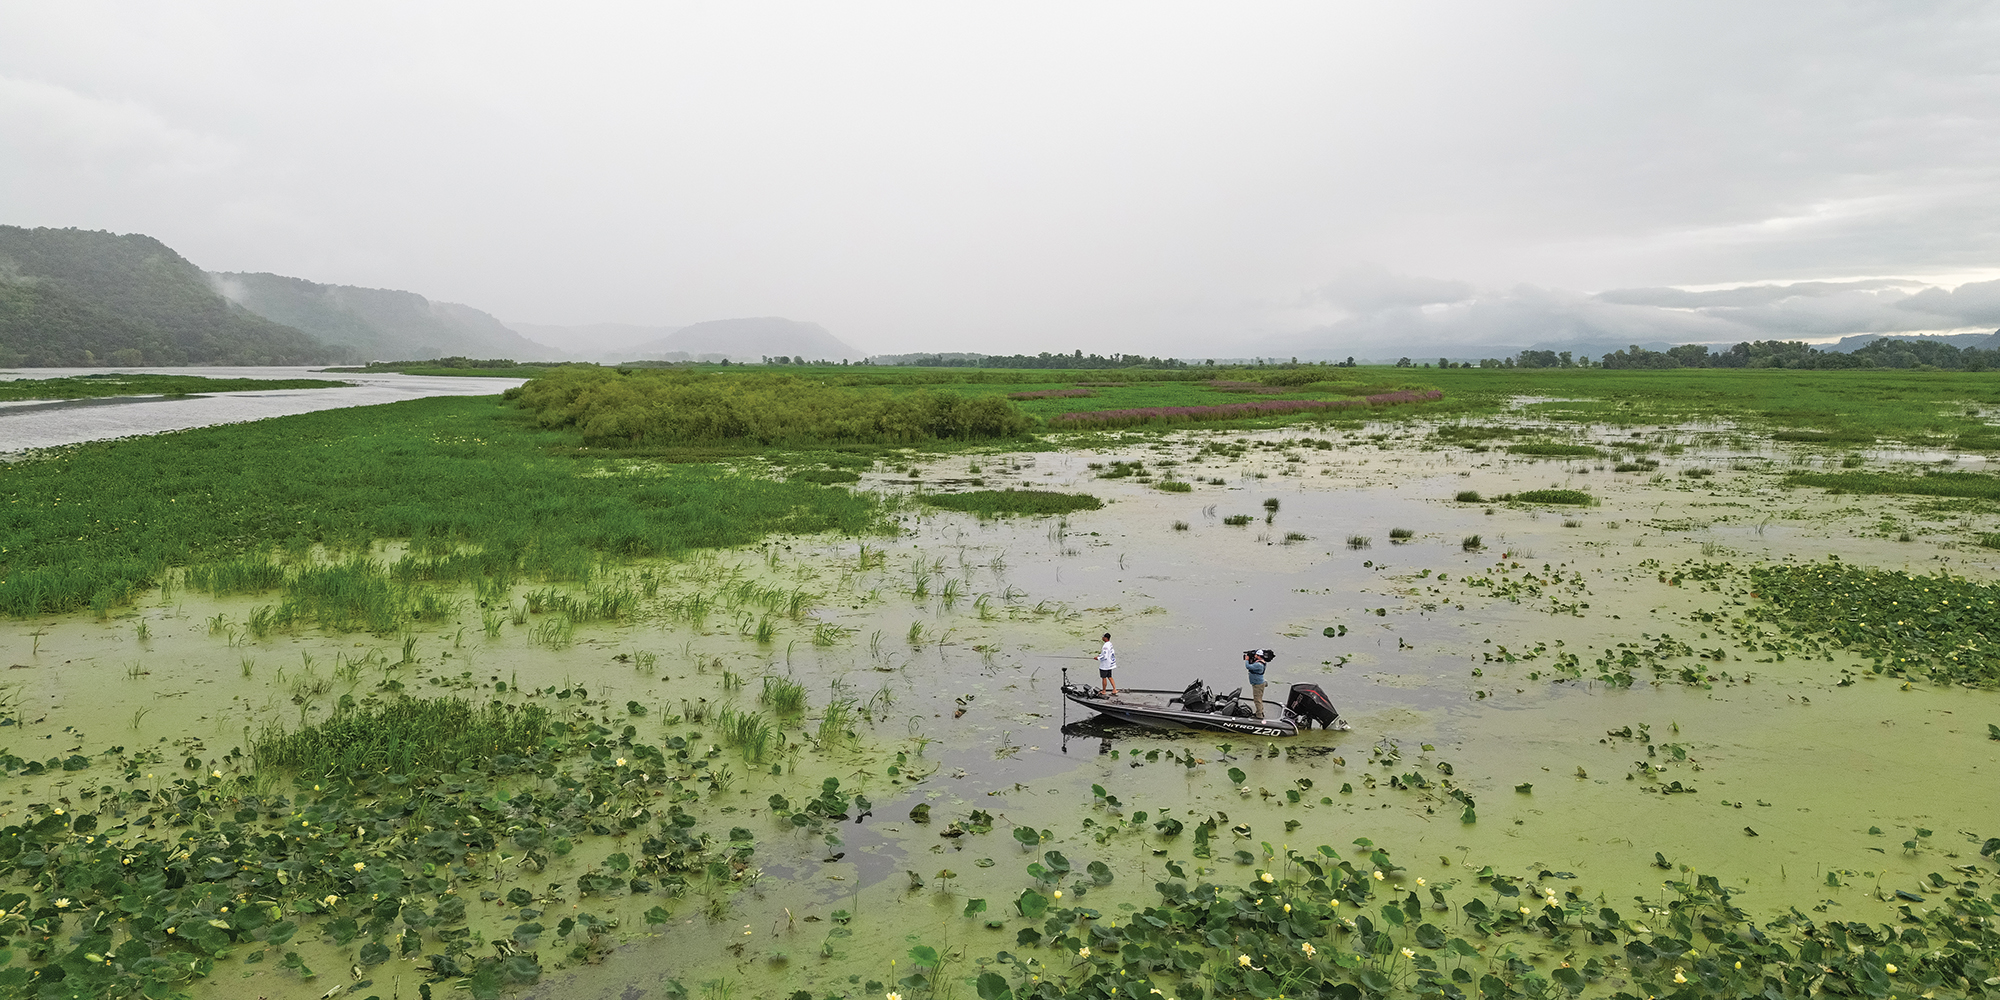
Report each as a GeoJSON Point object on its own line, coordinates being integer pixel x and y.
{"type": "Point", "coordinates": [1576, 497]}
{"type": "Point", "coordinates": [1357, 541]}
{"type": "Point", "coordinates": [1468, 496]}
{"type": "Point", "coordinates": [1471, 543]}
{"type": "Point", "coordinates": [407, 736]}
{"type": "Point", "coordinates": [1546, 449]}
{"type": "Point", "coordinates": [995, 503]}
{"type": "Point", "coordinates": [836, 725]}
{"type": "Point", "coordinates": [1934, 484]}
{"type": "Point", "coordinates": [784, 696]}
{"type": "Point", "coordinates": [1397, 536]}
{"type": "Point", "coordinates": [751, 733]}
{"type": "Point", "coordinates": [470, 484]}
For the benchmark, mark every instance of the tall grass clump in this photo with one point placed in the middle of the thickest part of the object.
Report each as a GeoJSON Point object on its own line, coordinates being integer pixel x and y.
{"type": "Point", "coordinates": [783, 695]}
{"type": "Point", "coordinates": [836, 726]}
{"type": "Point", "coordinates": [1467, 496]}
{"type": "Point", "coordinates": [1577, 497]}
{"type": "Point", "coordinates": [406, 736]}
{"type": "Point", "coordinates": [992, 503]}
{"type": "Point", "coordinates": [751, 733]}
{"type": "Point", "coordinates": [613, 407]}
{"type": "Point", "coordinates": [247, 575]}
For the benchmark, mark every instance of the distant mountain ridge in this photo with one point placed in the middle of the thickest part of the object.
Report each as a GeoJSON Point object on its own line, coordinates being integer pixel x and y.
{"type": "Point", "coordinates": [73, 297]}
{"type": "Point", "coordinates": [747, 340]}
{"type": "Point", "coordinates": [378, 323]}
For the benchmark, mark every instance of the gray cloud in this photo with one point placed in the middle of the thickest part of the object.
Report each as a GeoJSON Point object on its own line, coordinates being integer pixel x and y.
{"type": "Point", "coordinates": [1747, 295]}
{"type": "Point", "coordinates": [1974, 303]}
{"type": "Point", "coordinates": [1527, 315]}
{"type": "Point", "coordinates": [1158, 179]}
{"type": "Point", "coordinates": [1367, 289]}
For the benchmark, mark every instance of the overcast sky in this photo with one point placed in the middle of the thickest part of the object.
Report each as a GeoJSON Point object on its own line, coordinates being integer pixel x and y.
{"type": "Point", "coordinates": [1220, 179]}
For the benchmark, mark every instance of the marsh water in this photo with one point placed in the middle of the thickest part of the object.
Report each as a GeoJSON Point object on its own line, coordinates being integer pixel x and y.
{"type": "Point", "coordinates": [950, 640]}
{"type": "Point", "coordinates": [40, 423]}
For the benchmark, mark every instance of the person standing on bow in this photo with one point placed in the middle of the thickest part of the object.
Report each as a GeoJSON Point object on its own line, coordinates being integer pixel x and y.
{"type": "Point", "coordinates": [1254, 661]}
{"type": "Point", "coordinates": [1107, 661]}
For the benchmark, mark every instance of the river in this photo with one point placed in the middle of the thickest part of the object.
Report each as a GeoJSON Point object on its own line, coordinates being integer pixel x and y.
{"type": "Point", "coordinates": [46, 423]}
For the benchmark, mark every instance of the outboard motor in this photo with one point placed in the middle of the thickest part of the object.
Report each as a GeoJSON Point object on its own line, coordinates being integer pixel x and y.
{"type": "Point", "coordinates": [1310, 705]}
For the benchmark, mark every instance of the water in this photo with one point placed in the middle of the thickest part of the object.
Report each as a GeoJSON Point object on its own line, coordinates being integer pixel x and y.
{"type": "Point", "coordinates": [46, 423]}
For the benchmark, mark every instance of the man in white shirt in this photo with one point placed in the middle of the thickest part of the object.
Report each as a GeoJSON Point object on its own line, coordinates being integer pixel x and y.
{"type": "Point", "coordinates": [1107, 661]}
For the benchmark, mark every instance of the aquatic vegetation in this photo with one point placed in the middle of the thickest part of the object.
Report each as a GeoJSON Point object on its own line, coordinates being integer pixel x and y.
{"type": "Point", "coordinates": [1357, 541]}
{"type": "Point", "coordinates": [1930, 484]}
{"type": "Point", "coordinates": [1944, 628]}
{"type": "Point", "coordinates": [1235, 411]}
{"type": "Point", "coordinates": [1550, 449]}
{"type": "Point", "coordinates": [405, 736]}
{"type": "Point", "coordinates": [993, 503]}
{"type": "Point", "coordinates": [1552, 496]}
{"type": "Point", "coordinates": [837, 722]}
{"type": "Point", "coordinates": [1471, 543]}
{"type": "Point", "coordinates": [749, 732]}
{"type": "Point", "coordinates": [468, 483]}
{"type": "Point", "coordinates": [1468, 496]}
{"type": "Point", "coordinates": [785, 696]}
{"type": "Point", "coordinates": [380, 850]}
{"type": "Point", "coordinates": [1318, 923]}
{"type": "Point", "coordinates": [610, 407]}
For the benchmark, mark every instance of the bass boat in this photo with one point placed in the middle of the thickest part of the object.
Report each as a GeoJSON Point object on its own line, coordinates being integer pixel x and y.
{"type": "Point", "coordinates": [1196, 707]}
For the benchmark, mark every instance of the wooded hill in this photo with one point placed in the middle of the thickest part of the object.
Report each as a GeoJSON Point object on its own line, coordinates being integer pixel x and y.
{"type": "Point", "coordinates": [71, 297]}
{"type": "Point", "coordinates": [378, 323]}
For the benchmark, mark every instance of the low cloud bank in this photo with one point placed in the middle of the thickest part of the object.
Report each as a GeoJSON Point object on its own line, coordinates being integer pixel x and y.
{"type": "Point", "coordinates": [1377, 312]}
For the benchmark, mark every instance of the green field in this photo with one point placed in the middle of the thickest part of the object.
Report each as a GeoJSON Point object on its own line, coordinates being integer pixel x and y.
{"type": "Point", "coordinates": [466, 482]}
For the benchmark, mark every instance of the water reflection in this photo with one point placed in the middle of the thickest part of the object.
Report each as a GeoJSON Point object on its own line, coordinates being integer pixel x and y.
{"type": "Point", "coordinates": [32, 424]}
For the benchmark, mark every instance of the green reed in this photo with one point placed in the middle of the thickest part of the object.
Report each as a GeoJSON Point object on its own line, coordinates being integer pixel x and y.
{"type": "Point", "coordinates": [407, 736]}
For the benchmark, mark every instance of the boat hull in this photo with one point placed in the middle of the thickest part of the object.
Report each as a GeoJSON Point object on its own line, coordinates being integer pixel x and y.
{"type": "Point", "coordinates": [1155, 709]}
